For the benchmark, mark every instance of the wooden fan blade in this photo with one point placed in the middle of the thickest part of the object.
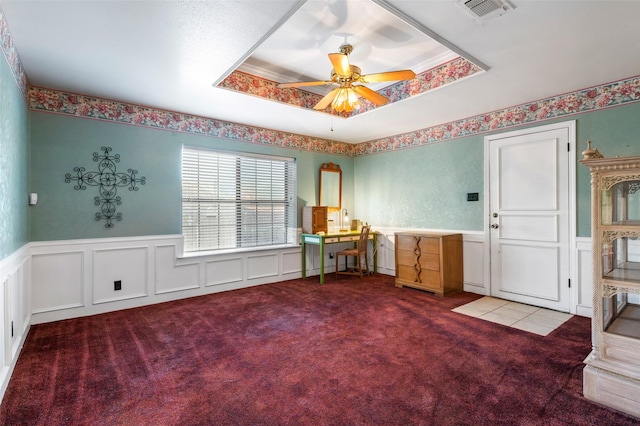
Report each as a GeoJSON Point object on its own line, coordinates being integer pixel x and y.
{"type": "Point", "coordinates": [304, 83]}
{"type": "Point", "coordinates": [374, 97]}
{"type": "Point", "coordinates": [340, 64]}
{"type": "Point", "coordinates": [324, 102]}
{"type": "Point", "coordinates": [387, 76]}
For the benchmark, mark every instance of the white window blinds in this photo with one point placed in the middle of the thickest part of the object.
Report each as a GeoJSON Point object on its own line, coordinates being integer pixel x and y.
{"type": "Point", "coordinates": [232, 200]}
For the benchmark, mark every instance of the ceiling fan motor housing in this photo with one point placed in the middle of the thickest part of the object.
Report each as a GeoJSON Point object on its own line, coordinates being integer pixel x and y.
{"type": "Point", "coordinates": [342, 79]}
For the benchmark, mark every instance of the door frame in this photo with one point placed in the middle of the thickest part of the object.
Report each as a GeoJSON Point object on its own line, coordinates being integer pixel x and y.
{"type": "Point", "coordinates": [570, 127]}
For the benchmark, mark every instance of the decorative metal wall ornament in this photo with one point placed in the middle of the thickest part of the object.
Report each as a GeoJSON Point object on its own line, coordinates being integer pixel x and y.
{"type": "Point", "coordinates": [108, 181]}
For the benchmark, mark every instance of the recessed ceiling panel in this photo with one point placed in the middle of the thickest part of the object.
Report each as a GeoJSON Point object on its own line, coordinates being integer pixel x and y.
{"type": "Point", "coordinates": [381, 40]}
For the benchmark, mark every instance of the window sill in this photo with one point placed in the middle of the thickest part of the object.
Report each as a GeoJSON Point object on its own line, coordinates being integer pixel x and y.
{"type": "Point", "coordinates": [193, 254]}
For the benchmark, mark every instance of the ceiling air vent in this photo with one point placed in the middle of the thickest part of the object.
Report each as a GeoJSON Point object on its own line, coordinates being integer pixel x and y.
{"type": "Point", "coordinates": [483, 10]}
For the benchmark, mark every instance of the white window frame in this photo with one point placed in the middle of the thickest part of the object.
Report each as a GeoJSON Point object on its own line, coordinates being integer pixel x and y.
{"type": "Point", "coordinates": [234, 201]}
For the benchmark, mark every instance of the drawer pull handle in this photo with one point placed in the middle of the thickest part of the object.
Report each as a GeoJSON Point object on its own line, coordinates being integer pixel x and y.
{"type": "Point", "coordinates": [417, 267]}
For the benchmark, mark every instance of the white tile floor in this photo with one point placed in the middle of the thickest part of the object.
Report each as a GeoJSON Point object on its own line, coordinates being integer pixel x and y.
{"type": "Point", "coordinates": [517, 315]}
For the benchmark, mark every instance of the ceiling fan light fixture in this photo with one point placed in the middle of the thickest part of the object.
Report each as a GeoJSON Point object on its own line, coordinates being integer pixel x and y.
{"type": "Point", "coordinates": [346, 100]}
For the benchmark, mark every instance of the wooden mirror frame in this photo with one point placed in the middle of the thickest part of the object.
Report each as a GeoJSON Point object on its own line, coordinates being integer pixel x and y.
{"type": "Point", "coordinates": [328, 173]}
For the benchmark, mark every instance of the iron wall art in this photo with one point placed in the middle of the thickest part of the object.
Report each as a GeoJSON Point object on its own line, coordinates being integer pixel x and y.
{"type": "Point", "coordinates": [108, 180]}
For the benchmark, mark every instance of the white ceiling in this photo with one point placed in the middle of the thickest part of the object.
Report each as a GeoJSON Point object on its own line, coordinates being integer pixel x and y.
{"type": "Point", "coordinates": [382, 41]}
{"type": "Point", "coordinates": [168, 54]}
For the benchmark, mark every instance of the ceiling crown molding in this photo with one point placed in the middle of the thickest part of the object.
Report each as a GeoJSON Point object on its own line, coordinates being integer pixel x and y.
{"type": "Point", "coordinates": [436, 77]}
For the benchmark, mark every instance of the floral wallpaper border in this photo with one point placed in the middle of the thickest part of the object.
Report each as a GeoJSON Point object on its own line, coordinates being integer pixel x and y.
{"type": "Point", "coordinates": [581, 101]}
{"type": "Point", "coordinates": [441, 75]}
{"type": "Point", "coordinates": [11, 55]}
{"type": "Point", "coordinates": [55, 101]}
{"type": "Point", "coordinates": [586, 100]}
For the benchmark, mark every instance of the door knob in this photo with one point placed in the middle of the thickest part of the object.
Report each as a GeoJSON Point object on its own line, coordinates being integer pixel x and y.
{"type": "Point", "coordinates": [494, 225]}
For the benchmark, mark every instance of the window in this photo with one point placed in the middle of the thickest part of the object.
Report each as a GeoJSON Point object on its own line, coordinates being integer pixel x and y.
{"type": "Point", "coordinates": [232, 200]}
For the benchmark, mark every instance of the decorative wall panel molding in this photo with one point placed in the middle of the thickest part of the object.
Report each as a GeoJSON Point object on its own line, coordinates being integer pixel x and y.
{"type": "Point", "coordinates": [584, 275]}
{"type": "Point", "coordinates": [76, 278]}
{"type": "Point", "coordinates": [262, 266]}
{"type": "Point", "coordinates": [131, 272]}
{"type": "Point", "coordinates": [171, 275]}
{"type": "Point", "coordinates": [473, 261]}
{"type": "Point", "coordinates": [225, 271]}
{"type": "Point", "coordinates": [291, 263]}
{"type": "Point", "coordinates": [15, 309]}
{"type": "Point", "coordinates": [58, 280]}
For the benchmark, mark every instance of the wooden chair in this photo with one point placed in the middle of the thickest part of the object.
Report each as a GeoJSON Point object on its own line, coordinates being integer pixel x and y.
{"type": "Point", "coordinates": [358, 252]}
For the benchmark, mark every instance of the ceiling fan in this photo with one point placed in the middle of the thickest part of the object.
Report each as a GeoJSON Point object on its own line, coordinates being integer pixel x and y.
{"type": "Point", "coordinates": [345, 97]}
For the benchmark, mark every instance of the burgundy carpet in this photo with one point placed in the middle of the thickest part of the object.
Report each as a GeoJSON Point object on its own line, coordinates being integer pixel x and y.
{"type": "Point", "coordinates": [349, 352]}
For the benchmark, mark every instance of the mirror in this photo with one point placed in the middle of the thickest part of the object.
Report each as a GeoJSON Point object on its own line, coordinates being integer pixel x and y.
{"type": "Point", "coordinates": [331, 185]}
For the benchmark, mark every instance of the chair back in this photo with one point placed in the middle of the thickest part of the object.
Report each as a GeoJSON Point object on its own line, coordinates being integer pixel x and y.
{"type": "Point", "coordinates": [364, 238]}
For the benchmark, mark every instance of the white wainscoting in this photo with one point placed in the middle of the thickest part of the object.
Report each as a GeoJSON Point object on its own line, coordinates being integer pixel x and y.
{"type": "Point", "coordinates": [15, 275]}
{"type": "Point", "coordinates": [76, 278]}
{"type": "Point", "coordinates": [584, 276]}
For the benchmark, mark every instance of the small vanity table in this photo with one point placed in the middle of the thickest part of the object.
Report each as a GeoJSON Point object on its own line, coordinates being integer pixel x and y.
{"type": "Point", "coordinates": [321, 240]}
{"type": "Point", "coordinates": [315, 219]}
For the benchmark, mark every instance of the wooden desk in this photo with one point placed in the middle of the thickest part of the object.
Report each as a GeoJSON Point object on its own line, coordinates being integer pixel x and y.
{"type": "Point", "coordinates": [321, 240]}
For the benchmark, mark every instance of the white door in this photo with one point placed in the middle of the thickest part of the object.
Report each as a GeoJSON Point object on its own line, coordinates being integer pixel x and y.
{"type": "Point", "coordinates": [529, 216]}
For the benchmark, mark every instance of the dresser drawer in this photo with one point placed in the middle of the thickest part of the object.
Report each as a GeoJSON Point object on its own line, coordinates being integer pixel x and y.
{"type": "Point", "coordinates": [415, 273]}
{"type": "Point", "coordinates": [430, 261]}
{"type": "Point", "coordinates": [407, 273]}
{"type": "Point", "coordinates": [430, 279]}
{"type": "Point", "coordinates": [430, 245]}
{"type": "Point", "coordinates": [419, 244]}
{"type": "Point", "coordinates": [425, 279]}
{"type": "Point", "coordinates": [406, 257]}
{"type": "Point", "coordinates": [426, 260]}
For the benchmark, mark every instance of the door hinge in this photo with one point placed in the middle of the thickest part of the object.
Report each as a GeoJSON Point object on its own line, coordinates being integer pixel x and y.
{"type": "Point", "coordinates": [568, 147]}
{"type": "Point", "coordinates": [569, 282]}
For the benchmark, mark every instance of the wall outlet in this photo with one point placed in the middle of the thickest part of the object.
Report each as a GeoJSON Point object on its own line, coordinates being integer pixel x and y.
{"type": "Point", "coordinates": [117, 285]}
{"type": "Point", "coordinates": [472, 196]}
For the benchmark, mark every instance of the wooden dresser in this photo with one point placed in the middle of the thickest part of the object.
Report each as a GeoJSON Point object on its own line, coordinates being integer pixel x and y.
{"type": "Point", "coordinates": [429, 261]}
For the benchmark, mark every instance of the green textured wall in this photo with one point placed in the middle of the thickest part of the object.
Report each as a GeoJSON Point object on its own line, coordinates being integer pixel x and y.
{"type": "Point", "coordinates": [14, 162]}
{"type": "Point", "coordinates": [614, 132]}
{"type": "Point", "coordinates": [60, 143]}
{"type": "Point", "coordinates": [422, 187]}
{"type": "Point", "coordinates": [426, 187]}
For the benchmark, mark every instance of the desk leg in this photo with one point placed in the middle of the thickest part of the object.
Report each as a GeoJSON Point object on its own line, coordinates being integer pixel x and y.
{"type": "Point", "coordinates": [322, 262]}
{"type": "Point", "coordinates": [375, 254]}
{"type": "Point", "coordinates": [304, 260]}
